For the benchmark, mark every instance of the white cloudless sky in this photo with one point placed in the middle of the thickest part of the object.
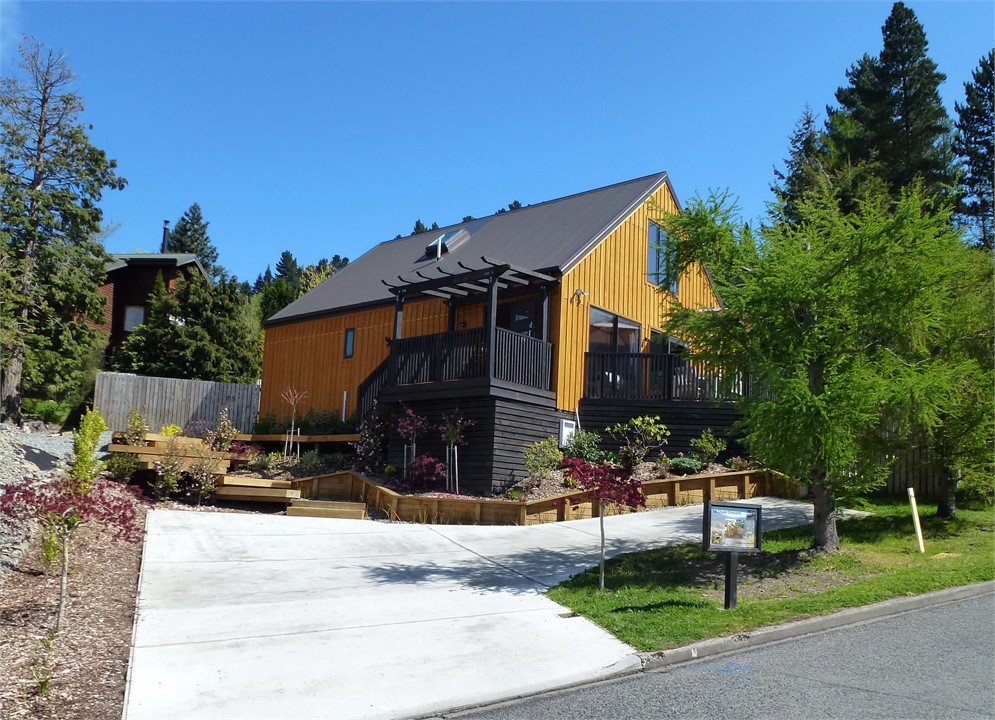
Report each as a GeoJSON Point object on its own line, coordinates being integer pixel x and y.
{"type": "Point", "coordinates": [327, 127]}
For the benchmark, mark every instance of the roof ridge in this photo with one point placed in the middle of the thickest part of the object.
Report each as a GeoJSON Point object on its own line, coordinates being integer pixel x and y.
{"type": "Point", "coordinates": [529, 206]}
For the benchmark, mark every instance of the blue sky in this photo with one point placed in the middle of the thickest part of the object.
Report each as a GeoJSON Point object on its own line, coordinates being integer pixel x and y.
{"type": "Point", "coordinates": [326, 127]}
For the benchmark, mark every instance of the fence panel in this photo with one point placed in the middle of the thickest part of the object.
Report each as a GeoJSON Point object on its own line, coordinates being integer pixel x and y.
{"type": "Point", "coordinates": [192, 404]}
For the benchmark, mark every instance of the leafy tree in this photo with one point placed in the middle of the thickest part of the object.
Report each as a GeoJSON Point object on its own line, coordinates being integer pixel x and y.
{"type": "Point", "coordinates": [831, 312]}
{"type": "Point", "coordinates": [51, 180]}
{"type": "Point", "coordinates": [891, 116]}
{"type": "Point", "coordinates": [202, 331]}
{"type": "Point", "coordinates": [189, 235]}
{"type": "Point", "coordinates": [314, 275]}
{"type": "Point", "coordinates": [288, 269]}
{"type": "Point", "coordinates": [975, 144]}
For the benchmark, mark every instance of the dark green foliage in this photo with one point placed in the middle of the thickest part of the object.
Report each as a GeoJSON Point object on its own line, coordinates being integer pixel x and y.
{"type": "Point", "coordinates": [514, 205]}
{"type": "Point", "coordinates": [189, 235]}
{"type": "Point", "coordinates": [269, 425]}
{"type": "Point", "coordinates": [50, 411]}
{"type": "Point", "coordinates": [891, 118]}
{"type": "Point", "coordinates": [276, 296]}
{"type": "Point", "coordinates": [262, 281]}
{"type": "Point", "coordinates": [287, 269]}
{"type": "Point", "coordinates": [51, 259]}
{"type": "Point", "coordinates": [420, 227]}
{"type": "Point", "coordinates": [322, 422]}
{"type": "Point", "coordinates": [584, 444]}
{"type": "Point", "coordinates": [976, 146]}
{"type": "Point", "coordinates": [201, 332]}
{"type": "Point", "coordinates": [637, 438]}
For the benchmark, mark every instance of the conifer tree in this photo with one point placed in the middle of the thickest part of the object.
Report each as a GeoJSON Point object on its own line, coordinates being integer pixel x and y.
{"type": "Point", "coordinates": [51, 259]}
{"type": "Point", "coordinates": [189, 235]}
{"type": "Point", "coordinates": [976, 146]}
{"type": "Point", "coordinates": [288, 269]}
{"type": "Point", "coordinates": [891, 118]}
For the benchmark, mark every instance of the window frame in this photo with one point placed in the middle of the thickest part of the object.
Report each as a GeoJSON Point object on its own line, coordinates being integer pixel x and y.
{"type": "Point", "coordinates": [349, 343]}
{"type": "Point", "coordinates": [657, 259]}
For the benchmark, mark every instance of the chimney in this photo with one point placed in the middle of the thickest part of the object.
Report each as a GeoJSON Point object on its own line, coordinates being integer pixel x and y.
{"type": "Point", "coordinates": [165, 237]}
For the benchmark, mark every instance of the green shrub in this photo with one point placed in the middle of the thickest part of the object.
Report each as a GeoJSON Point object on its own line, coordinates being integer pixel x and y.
{"type": "Point", "coordinates": [637, 437]}
{"type": "Point", "coordinates": [198, 483]}
{"type": "Point", "coordinates": [135, 428]}
{"type": "Point", "coordinates": [584, 444]}
{"type": "Point", "coordinates": [321, 422]}
{"type": "Point", "coordinates": [310, 463]}
{"type": "Point", "coordinates": [52, 412]}
{"type": "Point", "coordinates": [707, 448]}
{"type": "Point", "coordinates": [740, 463]}
{"type": "Point", "coordinates": [685, 466]}
{"type": "Point", "coordinates": [122, 466]}
{"type": "Point", "coordinates": [171, 430]}
{"type": "Point", "coordinates": [269, 425]}
{"type": "Point", "coordinates": [543, 457]}
{"type": "Point", "coordinates": [86, 440]}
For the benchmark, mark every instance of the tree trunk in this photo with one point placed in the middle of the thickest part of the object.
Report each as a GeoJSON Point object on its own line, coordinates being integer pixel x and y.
{"type": "Point", "coordinates": [10, 395]}
{"type": "Point", "coordinates": [827, 539]}
{"type": "Point", "coordinates": [946, 501]}
{"type": "Point", "coordinates": [64, 584]}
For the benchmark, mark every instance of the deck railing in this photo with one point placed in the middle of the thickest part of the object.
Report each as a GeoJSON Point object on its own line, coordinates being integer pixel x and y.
{"type": "Point", "coordinates": [651, 376]}
{"type": "Point", "coordinates": [459, 355]}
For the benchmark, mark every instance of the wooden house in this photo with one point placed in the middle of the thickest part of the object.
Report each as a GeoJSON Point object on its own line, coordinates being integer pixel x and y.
{"type": "Point", "coordinates": [127, 289]}
{"type": "Point", "coordinates": [519, 320]}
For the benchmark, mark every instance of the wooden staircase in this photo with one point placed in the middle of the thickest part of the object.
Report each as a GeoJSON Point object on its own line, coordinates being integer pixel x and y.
{"type": "Point", "coordinates": [327, 509]}
{"type": "Point", "coordinates": [232, 487]}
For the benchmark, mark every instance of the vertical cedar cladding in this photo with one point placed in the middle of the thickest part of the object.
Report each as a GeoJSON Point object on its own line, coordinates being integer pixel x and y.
{"type": "Point", "coordinates": [307, 354]}
{"type": "Point", "coordinates": [614, 276]}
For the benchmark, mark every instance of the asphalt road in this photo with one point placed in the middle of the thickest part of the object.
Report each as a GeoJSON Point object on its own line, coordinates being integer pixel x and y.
{"type": "Point", "coordinates": [937, 662]}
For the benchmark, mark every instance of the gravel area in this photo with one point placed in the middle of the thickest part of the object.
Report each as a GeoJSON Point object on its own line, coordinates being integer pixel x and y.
{"type": "Point", "coordinates": [27, 456]}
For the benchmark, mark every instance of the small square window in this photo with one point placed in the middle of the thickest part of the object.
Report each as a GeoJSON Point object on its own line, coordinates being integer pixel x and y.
{"type": "Point", "coordinates": [134, 315]}
{"type": "Point", "coordinates": [350, 342]}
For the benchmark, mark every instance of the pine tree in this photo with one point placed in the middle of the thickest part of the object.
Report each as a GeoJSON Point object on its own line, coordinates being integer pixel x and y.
{"type": "Point", "coordinates": [806, 165]}
{"type": "Point", "coordinates": [51, 259]}
{"type": "Point", "coordinates": [189, 235]}
{"type": "Point", "coordinates": [288, 269]}
{"type": "Point", "coordinates": [891, 117]}
{"type": "Point", "coordinates": [276, 296]}
{"type": "Point", "coordinates": [202, 331]}
{"type": "Point", "coordinates": [975, 144]}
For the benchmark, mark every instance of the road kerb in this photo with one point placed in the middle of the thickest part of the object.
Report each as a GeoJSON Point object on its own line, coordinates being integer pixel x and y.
{"type": "Point", "coordinates": [664, 658]}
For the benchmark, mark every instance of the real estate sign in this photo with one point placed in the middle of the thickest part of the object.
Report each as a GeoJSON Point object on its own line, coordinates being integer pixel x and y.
{"type": "Point", "coordinates": [731, 527]}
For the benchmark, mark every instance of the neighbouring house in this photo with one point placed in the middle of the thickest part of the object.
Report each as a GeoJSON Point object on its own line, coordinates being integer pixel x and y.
{"type": "Point", "coordinates": [524, 321]}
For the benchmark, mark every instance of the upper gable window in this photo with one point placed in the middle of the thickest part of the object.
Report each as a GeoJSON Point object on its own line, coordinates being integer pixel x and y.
{"type": "Point", "coordinates": [656, 266]}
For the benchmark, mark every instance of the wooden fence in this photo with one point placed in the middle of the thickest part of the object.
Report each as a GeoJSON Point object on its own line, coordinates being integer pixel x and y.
{"type": "Point", "coordinates": [352, 486]}
{"type": "Point", "coordinates": [191, 404]}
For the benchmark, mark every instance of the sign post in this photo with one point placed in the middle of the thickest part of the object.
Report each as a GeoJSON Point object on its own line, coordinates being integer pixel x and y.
{"type": "Point", "coordinates": [731, 528]}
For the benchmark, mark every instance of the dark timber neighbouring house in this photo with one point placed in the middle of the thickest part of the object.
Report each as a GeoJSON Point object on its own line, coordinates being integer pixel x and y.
{"type": "Point", "coordinates": [519, 320]}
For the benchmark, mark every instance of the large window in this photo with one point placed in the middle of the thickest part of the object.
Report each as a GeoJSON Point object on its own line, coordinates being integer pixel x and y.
{"type": "Point", "coordinates": [134, 315]}
{"type": "Point", "coordinates": [613, 333]}
{"type": "Point", "coordinates": [656, 266]}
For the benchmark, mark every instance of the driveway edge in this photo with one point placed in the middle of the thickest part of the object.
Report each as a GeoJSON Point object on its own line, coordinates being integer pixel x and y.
{"type": "Point", "coordinates": [661, 659]}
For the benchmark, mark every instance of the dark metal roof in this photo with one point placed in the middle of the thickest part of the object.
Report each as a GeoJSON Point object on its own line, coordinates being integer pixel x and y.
{"type": "Point", "coordinates": [120, 260]}
{"type": "Point", "coordinates": [550, 238]}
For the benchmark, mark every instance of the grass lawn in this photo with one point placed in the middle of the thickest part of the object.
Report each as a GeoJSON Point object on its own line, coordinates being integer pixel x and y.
{"type": "Point", "coordinates": [666, 598]}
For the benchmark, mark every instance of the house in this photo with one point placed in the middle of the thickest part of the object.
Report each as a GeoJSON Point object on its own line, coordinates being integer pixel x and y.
{"type": "Point", "coordinates": [523, 321]}
{"type": "Point", "coordinates": [128, 286]}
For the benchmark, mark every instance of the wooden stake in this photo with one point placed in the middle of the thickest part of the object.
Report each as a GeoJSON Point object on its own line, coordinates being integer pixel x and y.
{"type": "Point", "coordinates": [915, 519]}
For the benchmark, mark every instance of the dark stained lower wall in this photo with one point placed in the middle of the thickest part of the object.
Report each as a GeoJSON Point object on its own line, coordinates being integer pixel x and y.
{"type": "Point", "coordinates": [685, 420]}
{"type": "Point", "coordinates": [491, 460]}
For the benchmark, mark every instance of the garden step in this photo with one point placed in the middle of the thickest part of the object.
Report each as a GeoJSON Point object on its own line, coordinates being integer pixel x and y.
{"type": "Point", "coordinates": [327, 509]}
{"type": "Point", "coordinates": [237, 481]}
{"type": "Point", "coordinates": [256, 494]}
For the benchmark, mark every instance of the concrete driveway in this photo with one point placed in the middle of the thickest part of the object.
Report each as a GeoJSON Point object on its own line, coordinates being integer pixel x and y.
{"type": "Point", "coordinates": [264, 616]}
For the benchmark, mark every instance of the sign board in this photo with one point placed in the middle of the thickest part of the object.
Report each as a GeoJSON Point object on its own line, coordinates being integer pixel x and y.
{"type": "Point", "coordinates": [731, 527]}
{"type": "Point", "coordinates": [567, 430]}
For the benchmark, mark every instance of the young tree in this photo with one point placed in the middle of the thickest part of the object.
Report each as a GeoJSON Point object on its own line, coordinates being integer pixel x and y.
{"type": "Point", "coordinates": [51, 181]}
{"type": "Point", "coordinates": [189, 235]}
{"type": "Point", "coordinates": [891, 119]}
{"type": "Point", "coordinates": [976, 146]}
{"type": "Point", "coordinates": [830, 312]}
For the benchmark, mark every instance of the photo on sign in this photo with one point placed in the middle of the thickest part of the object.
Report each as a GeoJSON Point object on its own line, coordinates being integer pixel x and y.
{"type": "Point", "coordinates": [732, 528]}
